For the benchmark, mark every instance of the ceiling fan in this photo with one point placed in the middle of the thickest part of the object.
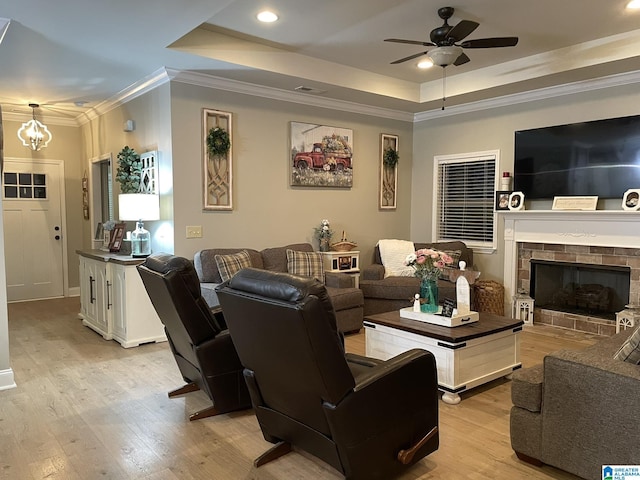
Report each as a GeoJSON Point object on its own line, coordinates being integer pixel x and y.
{"type": "Point", "coordinates": [449, 43]}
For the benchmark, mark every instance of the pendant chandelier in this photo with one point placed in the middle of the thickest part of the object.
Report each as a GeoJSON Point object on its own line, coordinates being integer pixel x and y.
{"type": "Point", "coordinates": [34, 134]}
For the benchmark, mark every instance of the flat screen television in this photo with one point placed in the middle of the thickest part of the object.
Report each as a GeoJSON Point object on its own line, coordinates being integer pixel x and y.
{"type": "Point", "coordinates": [600, 158]}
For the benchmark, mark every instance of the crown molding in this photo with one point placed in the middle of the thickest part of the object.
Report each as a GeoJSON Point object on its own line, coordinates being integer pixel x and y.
{"type": "Point", "coordinates": [582, 86]}
{"type": "Point", "coordinates": [25, 117]}
{"type": "Point", "coordinates": [164, 75]}
{"type": "Point", "coordinates": [211, 81]}
{"type": "Point", "coordinates": [144, 85]}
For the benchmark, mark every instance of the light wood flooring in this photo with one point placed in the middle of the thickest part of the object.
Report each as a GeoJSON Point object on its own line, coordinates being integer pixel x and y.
{"type": "Point", "coordinates": [86, 408]}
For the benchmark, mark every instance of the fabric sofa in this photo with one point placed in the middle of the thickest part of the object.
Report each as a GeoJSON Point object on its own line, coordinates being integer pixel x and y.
{"type": "Point", "coordinates": [395, 292]}
{"type": "Point", "coordinates": [347, 300]}
{"type": "Point", "coordinates": [577, 410]}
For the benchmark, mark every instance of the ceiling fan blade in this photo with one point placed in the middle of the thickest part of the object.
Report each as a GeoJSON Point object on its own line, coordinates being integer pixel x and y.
{"type": "Point", "coordinates": [461, 60]}
{"type": "Point", "coordinates": [490, 42]}
{"type": "Point", "coordinates": [412, 42]}
{"type": "Point", "coordinates": [410, 57]}
{"type": "Point", "coordinates": [462, 30]}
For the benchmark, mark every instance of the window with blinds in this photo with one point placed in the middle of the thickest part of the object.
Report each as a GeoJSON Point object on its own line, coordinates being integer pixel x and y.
{"type": "Point", "coordinates": [464, 198]}
{"type": "Point", "coordinates": [106, 191]}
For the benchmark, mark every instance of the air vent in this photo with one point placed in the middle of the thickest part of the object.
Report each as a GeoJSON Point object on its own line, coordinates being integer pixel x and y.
{"type": "Point", "coordinates": [312, 91]}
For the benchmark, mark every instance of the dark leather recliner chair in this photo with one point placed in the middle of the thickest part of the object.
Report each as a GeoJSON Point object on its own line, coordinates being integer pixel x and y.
{"type": "Point", "coordinates": [367, 418]}
{"type": "Point", "coordinates": [198, 338]}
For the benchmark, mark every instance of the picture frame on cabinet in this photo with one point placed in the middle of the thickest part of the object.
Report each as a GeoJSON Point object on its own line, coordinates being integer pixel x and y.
{"type": "Point", "coordinates": [99, 232]}
{"type": "Point", "coordinates": [631, 199]}
{"type": "Point", "coordinates": [117, 234]}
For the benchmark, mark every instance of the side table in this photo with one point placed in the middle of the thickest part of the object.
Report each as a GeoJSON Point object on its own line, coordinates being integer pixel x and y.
{"type": "Point", "coordinates": [343, 262]}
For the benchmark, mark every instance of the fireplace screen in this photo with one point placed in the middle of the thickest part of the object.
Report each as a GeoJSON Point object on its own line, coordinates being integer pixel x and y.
{"type": "Point", "coordinates": [593, 290]}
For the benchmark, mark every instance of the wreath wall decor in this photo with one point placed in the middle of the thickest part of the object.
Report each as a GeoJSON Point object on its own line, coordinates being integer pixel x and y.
{"type": "Point", "coordinates": [389, 158]}
{"type": "Point", "coordinates": [217, 160]}
{"type": "Point", "coordinates": [218, 142]}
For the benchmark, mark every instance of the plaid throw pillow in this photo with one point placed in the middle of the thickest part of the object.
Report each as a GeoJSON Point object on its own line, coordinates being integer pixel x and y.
{"type": "Point", "coordinates": [455, 255]}
{"type": "Point", "coordinates": [229, 265]}
{"type": "Point", "coordinates": [630, 350]}
{"type": "Point", "coordinates": [305, 264]}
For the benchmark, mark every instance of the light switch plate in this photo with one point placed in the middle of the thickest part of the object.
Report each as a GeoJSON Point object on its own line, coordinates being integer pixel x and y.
{"type": "Point", "coordinates": [194, 231]}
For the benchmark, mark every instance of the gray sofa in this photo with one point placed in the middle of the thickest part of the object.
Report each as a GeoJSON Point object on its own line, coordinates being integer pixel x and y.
{"type": "Point", "coordinates": [393, 293]}
{"type": "Point", "coordinates": [578, 410]}
{"type": "Point", "coordinates": [347, 300]}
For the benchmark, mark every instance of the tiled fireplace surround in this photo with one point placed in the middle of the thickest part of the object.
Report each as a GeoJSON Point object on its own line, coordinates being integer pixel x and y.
{"type": "Point", "coordinates": [600, 237]}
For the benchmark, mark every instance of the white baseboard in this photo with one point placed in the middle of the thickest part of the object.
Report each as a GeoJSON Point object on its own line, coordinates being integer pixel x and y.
{"type": "Point", "coordinates": [6, 379]}
{"type": "Point", "coordinates": [74, 292]}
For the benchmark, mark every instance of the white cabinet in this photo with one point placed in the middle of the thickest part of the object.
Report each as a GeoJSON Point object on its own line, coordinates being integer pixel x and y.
{"type": "Point", "coordinates": [343, 262]}
{"type": "Point", "coordinates": [93, 296]}
{"type": "Point", "coordinates": [114, 301]}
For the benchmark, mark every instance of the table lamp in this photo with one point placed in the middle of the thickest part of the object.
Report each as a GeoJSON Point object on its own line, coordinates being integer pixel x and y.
{"type": "Point", "coordinates": [138, 207]}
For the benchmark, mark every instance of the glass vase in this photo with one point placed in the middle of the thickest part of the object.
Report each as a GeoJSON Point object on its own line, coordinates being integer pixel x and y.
{"type": "Point", "coordinates": [429, 295]}
{"type": "Point", "coordinates": [324, 245]}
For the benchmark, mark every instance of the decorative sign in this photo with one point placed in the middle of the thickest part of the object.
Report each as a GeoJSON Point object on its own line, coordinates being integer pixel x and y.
{"type": "Point", "coordinates": [447, 307]}
{"type": "Point", "coordinates": [574, 203]}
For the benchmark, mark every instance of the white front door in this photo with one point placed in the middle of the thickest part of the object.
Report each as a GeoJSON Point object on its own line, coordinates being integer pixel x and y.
{"type": "Point", "coordinates": [33, 229]}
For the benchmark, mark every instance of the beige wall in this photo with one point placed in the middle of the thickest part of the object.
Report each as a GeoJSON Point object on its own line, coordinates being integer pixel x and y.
{"type": "Point", "coordinates": [267, 210]}
{"type": "Point", "coordinates": [63, 147]}
{"type": "Point", "coordinates": [494, 129]}
{"type": "Point", "coordinates": [105, 135]}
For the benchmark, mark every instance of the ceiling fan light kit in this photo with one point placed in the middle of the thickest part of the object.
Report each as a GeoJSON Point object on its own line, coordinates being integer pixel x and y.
{"type": "Point", "coordinates": [34, 134]}
{"type": "Point", "coordinates": [443, 56]}
{"type": "Point", "coordinates": [447, 40]}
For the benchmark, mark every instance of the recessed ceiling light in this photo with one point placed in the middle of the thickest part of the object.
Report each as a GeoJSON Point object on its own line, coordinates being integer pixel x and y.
{"type": "Point", "coordinates": [633, 5]}
{"type": "Point", "coordinates": [425, 63]}
{"type": "Point", "coordinates": [267, 17]}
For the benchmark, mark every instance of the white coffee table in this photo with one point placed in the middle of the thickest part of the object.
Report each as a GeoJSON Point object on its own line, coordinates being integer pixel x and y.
{"type": "Point", "coordinates": [466, 356]}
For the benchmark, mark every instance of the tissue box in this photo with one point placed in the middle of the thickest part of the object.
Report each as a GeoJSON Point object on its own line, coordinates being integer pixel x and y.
{"type": "Point", "coordinates": [455, 321]}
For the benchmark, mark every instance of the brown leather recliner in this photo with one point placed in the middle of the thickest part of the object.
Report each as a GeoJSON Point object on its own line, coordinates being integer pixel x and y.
{"type": "Point", "coordinates": [367, 418]}
{"type": "Point", "coordinates": [199, 340]}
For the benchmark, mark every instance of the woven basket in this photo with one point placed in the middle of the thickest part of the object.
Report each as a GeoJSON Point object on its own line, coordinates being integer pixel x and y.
{"type": "Point", "coordinates": [489, 297]}
{"type": "Point", "coordinates": [343, 246]}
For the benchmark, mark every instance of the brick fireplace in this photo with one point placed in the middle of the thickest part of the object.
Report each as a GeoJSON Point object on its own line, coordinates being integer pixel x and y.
{"type": "Point", "coordinates": [600, 238]}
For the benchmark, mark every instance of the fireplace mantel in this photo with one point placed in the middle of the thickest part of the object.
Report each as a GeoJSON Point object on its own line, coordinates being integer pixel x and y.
{"type": "Point", "coordinates": [605, 228]}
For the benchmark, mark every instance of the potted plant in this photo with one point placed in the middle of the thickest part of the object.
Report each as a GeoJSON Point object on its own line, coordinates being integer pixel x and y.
{"type": "Point", "coordinates": [129, 170]}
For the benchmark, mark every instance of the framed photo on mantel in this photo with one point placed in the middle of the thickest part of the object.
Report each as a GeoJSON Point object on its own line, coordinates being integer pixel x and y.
{"type": "Point", "coordinates": [502, 199]}
{"type": "Point", "coordinates": [631, 199]}
{"type": "Point", "coordinates": [516, 201]}
{"type": "Point", "coordinates": [574, 203]}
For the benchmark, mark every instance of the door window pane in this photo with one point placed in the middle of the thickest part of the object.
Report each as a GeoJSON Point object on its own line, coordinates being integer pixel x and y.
{"type": "Point", "coordinates": [19, 185]}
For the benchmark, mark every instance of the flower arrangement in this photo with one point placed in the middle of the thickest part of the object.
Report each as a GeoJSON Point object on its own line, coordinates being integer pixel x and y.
{"type": "Point", "coordinates": [324, 232]}
{"type": "Point", "coordinates": [428, 263]}
{"type": "Point", "coordinates": [109, 225]}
